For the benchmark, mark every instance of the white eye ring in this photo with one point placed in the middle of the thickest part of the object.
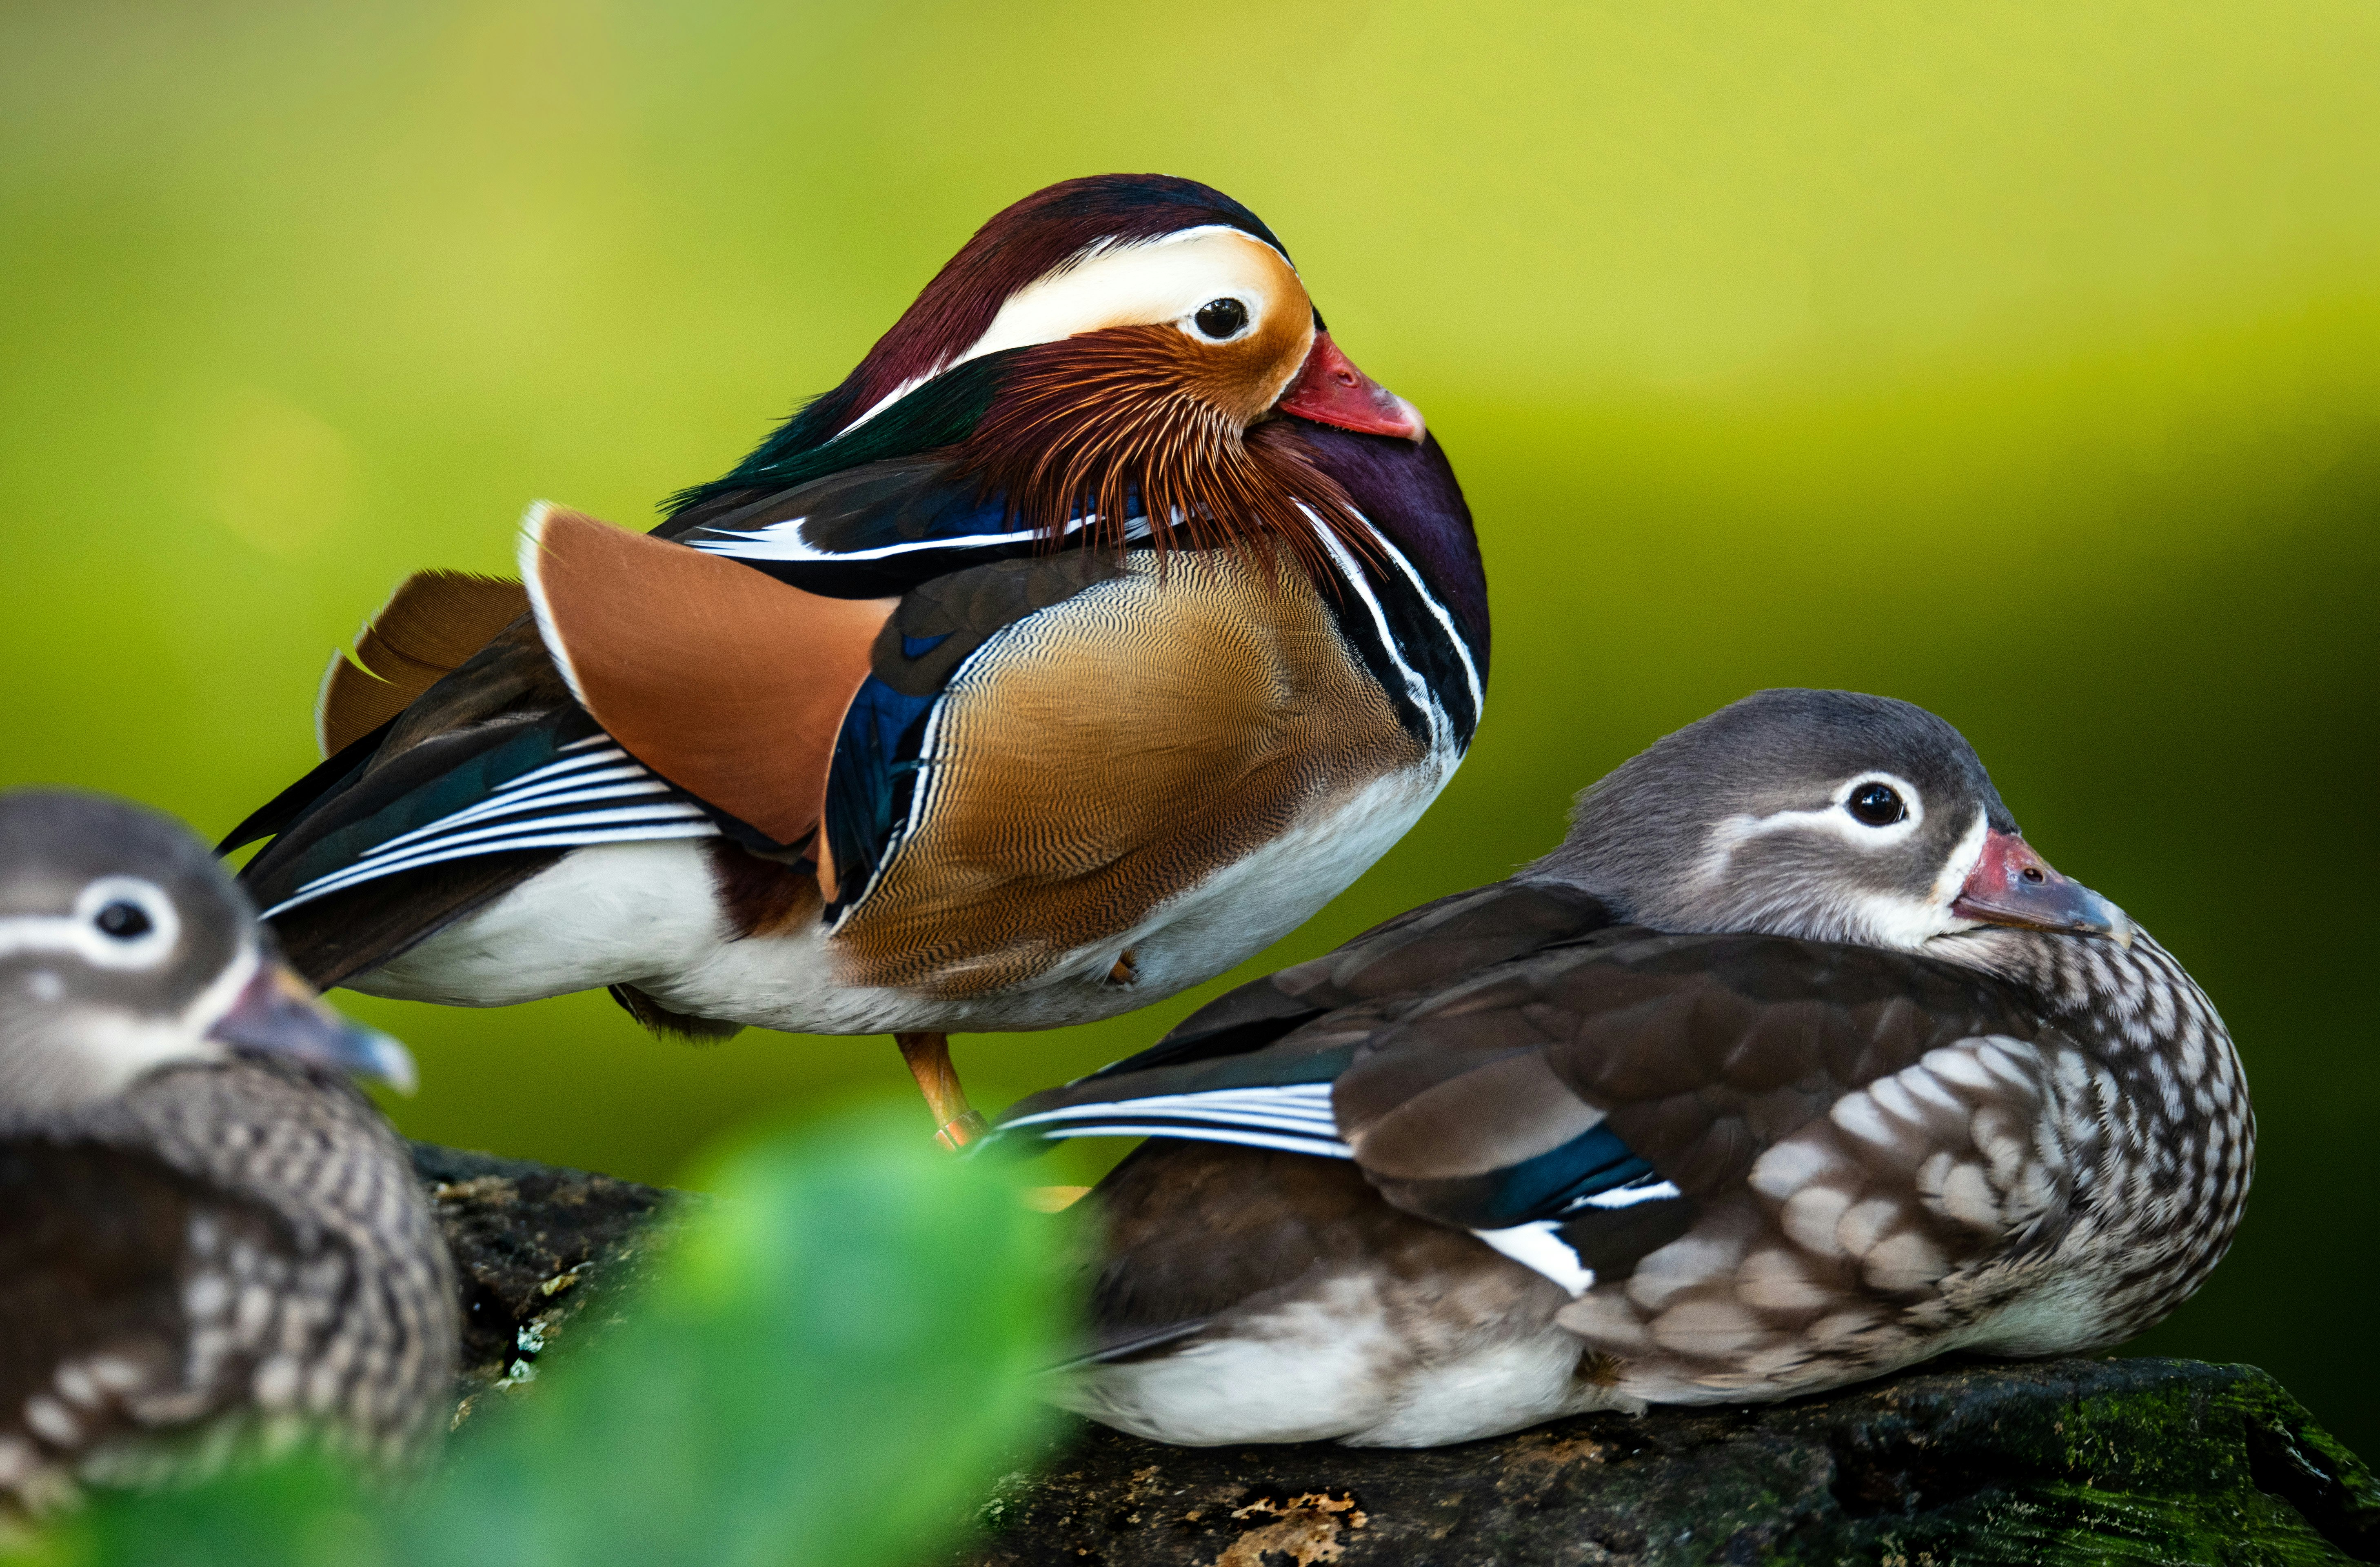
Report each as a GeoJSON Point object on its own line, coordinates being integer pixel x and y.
{"type": "Point", "coordinates": [147, 948]}
{"type": "Point", "coordinates": [1876, 834]}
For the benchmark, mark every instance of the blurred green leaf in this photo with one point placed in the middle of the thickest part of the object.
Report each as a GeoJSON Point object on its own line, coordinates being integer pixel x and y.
{"type": "Point", "coordinates": [837, 1353]}
{"type": "Point", "coordinates": [303, 1511]}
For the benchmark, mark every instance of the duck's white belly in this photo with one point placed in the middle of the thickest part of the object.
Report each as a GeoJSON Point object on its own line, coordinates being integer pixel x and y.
{"type": "Point", "coordinates": [647, 915]}
{"type": "Point", "coordinates": [1345, 1362]}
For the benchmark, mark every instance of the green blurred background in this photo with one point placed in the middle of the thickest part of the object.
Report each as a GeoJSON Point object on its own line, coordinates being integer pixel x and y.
{"type": "Point", "coordinates": [2020, 360]}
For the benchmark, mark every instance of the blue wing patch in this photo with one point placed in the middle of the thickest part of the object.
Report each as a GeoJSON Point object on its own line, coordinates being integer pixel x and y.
{"type": "Point", "coordinates": [1591, 1203]}
{"type": "Point", "coordinates": [873, 780]}
{"type": "Point", "coordinates": [1561, 1180]}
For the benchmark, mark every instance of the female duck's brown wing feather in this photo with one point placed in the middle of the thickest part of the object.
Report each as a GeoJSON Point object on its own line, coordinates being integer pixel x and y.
{"type": "Point", "coordinates": [1188, 1232]}
{"type": "Point", "coordinates": [1613, 1090]}
{"type": "Point", "coordinates": [1407, 955]}
{"type": "Point", "coordinates": [1695, 1054]}
{"type": "Point", "coordinates": [91, 1288]}
{"type": "Point", "coordinates": [1695, 1051]}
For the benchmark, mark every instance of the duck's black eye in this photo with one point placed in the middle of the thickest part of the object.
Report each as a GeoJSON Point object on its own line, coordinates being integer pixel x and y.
{"type": "Point", "coordinates": [1219, 319]}
{"type": "Point", "coordinates": [1878, 805]}
{"type": "Point", "coordinates": [124, 920]}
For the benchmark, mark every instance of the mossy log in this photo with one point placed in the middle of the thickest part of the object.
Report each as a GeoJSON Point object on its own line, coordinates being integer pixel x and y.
{"type": "Point", "coordinates": [534, 1245]}
{"type": "Point", "coordinates": [2058, 1462]}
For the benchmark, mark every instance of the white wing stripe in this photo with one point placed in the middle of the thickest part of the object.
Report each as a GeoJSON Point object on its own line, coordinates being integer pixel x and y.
{"type": "Point", "coordinates": [1316, 1095]}
{"type": "Point", "coordinates": [1318, 1125]}
{"type": "Point", "coordinates": [668, 808]}
{"type": "Point", "coordinates": [527, 812]}
{"type": "Point", "coordinates": [1305, 1106]}
{"type": "Point", "coordinates": [581, 825]}
{"type": "Point", "coordinates": [1629, 1196]}
{"type": "Point", "coordinates": [1197, 1133]}
{"type": "Point", "coordinates": [615, 783]}
{"type": "Point", "coordinates": [567, 764]}
{"type": "Point", "coordinates": [541, 806]}
{"type": "Point", "coordinates": [1291, 1117]}
{"type": "Point", "coordinates": [1538, 1247]}
{"type": "Point", "coordinates": [539, 840]}
{"type": "Point", "coordinates": [783, 542]}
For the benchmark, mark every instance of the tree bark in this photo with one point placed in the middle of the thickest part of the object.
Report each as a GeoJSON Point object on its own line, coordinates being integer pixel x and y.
{"type": "Point", "coordinates": [2070, 1461]}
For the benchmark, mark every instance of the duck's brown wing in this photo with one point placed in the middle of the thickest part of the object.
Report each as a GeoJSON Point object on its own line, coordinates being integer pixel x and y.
{"type": "Point", "coordinates": [355, 874]}
{"type": "Point", "coordinates": [1406, 957]}
{"type": "Point", "coordinates": [111, 1265]}
{"type": "Point", "coordinates": [652, 690]}
{"type": "Point", "coordinates": [1714, 1142]}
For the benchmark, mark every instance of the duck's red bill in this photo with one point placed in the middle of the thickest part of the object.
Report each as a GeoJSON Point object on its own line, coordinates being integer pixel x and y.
{"type": "Point", "coordinates": [1331, 390]}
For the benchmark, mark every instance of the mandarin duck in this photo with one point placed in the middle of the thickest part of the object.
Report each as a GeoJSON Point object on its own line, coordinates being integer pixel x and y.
{"type": "Point", "coordinates": [1794, 1065]}
{"type": "Point", "coordinates": [208, 1244]}
{"type": "Point", "coordinates": [1098, 628]}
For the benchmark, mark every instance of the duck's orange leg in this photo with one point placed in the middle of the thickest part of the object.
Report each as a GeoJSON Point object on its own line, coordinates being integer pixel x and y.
{"type": "Point", "coordinates": [929, 1056]}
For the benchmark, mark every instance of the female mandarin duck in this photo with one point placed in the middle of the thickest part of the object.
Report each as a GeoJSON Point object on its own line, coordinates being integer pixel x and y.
{"type": "Point", "coordinates": [209, 1246]}
{"type": "Point", "coordinates": [1097, 630]}
{"type": "Point", "coordinates": [1794, 1065]}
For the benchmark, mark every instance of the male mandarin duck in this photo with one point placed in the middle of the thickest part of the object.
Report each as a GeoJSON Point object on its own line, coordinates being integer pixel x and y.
{"type": "Point", "coordinates": [1098, 629]}
{"type": "Point", "coordinates": [1794, 1065]}
{"type": "Point", "coordinates": [208, 1244]}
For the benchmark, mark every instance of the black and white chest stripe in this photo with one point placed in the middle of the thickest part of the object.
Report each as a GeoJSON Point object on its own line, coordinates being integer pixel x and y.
{"type": "Point", "coordinates": [1407, 638]}
{"type": "Point", "coordinates": [1403, 632]}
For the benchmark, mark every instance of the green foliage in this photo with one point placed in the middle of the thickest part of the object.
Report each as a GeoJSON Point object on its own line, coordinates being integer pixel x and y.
{"type": "Point", "coordinates": [836, 1355]}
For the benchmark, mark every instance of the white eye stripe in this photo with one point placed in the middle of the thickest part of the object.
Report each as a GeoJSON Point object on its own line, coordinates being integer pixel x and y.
{"type": "Point", "coordinates": [1167, 279]}
{"type": "Point", "coordinates": [78, 938]}
{"type": "Point", "coordinates": [79, 933]}
{"type": "Point", "coordinates": [42, 933]}
{"type": "Point", "coordinates": [1832, 818]}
